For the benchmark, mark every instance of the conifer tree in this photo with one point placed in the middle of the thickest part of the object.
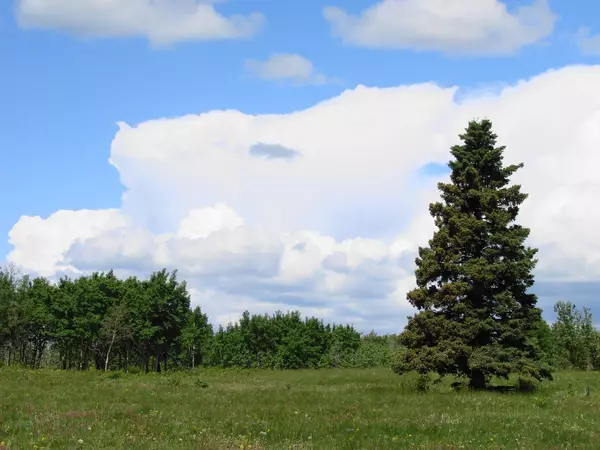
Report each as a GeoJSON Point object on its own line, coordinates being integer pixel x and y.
{"type": "Point", "coordinates": [477, 318]}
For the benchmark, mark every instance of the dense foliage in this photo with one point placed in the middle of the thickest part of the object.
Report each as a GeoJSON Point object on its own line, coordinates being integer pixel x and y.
{"type": "Point", "coordinates": [476, 317]}
{"type": "Point", "coordinates": [575, 341]}
{"type": "Point", "coordinates": [103, 322]}
{"type": "Point", "coordinates": [132, 324]}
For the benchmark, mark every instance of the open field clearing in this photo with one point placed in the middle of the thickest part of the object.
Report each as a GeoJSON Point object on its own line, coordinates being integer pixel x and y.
{"type": "Point", "coordinates": [321, 409]}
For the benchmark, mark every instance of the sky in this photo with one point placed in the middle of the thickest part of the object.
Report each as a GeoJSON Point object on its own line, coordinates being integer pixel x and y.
{"type": "Point", "coordinates": [281, 155]}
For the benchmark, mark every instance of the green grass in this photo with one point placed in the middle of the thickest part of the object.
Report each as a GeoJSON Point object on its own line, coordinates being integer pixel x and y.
{"type": "Point", "coordinates": [324, 409]}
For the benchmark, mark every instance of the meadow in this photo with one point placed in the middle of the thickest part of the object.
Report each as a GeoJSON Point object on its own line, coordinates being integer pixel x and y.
{"type": "Point", "coordinates": [221, 409]}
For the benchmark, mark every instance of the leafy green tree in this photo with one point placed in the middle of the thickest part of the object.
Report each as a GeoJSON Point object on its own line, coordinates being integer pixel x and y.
{"type": "Point", "coordinates": [476, 317]}
{"type": "Point", "coordinates": [166, 304]}
{"type": "Point", "coordinates": [39, 327]}
{"type": "Point", "coordinates": [115, 329]}
{"type": "Point", "coordinates": [374, 351]}
{"type": "Point", "coordinates": [219, 355]}
{"type": "Point", "coordinates": [576, 340]}
{"type": "Point", "coordinates": [63, 318]}
{"type": "Point", "coordinates": [344, 342]}
{"type": "Point", "coordinates": [594, 345]}
{"type": "Point", "coordinates": [196, 337]}
{"type": "Point", "coordinates": [9, 313]}
{"type": "Point", "coordinates": [545, 338]}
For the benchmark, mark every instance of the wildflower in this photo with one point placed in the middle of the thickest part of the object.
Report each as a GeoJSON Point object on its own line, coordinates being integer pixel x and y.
{"type": "Point", "coordinates": [80, 441]}
{"type": "Point", "coordinates": [264, 433]}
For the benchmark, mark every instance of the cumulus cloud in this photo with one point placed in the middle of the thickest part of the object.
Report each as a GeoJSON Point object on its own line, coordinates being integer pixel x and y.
{"type": "Point", "coordinates": [588, 43]}
{"type": "Point", "coordinates": [333, 232]}
{"type": "Point", "coordinates": [286, 67]}
{"type": "Point", "coordinates": [482, 27]}
{"type": "Point", "coordinates": [160, 21]}
{"type": "Point", "coordinates": [40, 245]}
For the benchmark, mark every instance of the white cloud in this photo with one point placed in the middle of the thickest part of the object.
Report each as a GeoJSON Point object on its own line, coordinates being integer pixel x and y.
{"type": "Point", "coordinates": [40, 244]}
{"type": "Point", "coordinates": [160, 21]}
{"type": "Point", "coordinates": [200, 223]}
{"type": "Point", "coordinates": [335, 229]}
{"type": "Point", "coordinates": [588, 43]}
{"type": "Point", "coordinates": [286, 66]}
{"type": "Point", "coordinates": [482, 27]}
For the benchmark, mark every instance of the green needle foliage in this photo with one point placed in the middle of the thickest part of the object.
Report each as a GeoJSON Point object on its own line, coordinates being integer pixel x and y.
{"type": "Point", "coordinates": [476, 317]}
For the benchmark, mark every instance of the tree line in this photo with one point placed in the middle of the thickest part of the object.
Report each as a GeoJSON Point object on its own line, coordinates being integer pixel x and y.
{"type": "Point", "coordinates": [135, 324]}
{"type": "Point", "coordinates": [131, 324]}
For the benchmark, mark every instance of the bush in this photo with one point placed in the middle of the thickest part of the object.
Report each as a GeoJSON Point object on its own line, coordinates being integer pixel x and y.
{"type": "Point", "coordinates": [422, 383]}
{"type": "Point", "coordinates": [200, 383]}
{"type": "Point", "coordinates": [114, 375]}
{"type": "Point", "coordinates": [525, 384]}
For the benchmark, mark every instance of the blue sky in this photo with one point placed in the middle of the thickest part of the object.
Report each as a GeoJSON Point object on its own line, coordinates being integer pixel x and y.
{"type": "Point", "coordinates": [63, 94]}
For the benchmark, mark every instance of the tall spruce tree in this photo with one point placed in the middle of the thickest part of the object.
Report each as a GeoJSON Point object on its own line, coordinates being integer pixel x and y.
{"type": "Point", "coordinates": [476, 317]}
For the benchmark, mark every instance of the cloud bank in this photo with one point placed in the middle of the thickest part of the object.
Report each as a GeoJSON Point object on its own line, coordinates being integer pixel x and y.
{"type": "Point", "coordinates": [160, 21]}
{"type": "Point", "coordinates": [476, 27]}
{"type": "Point", "coordinates": [334, 230]}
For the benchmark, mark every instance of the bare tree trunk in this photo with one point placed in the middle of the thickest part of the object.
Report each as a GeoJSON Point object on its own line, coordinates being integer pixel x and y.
{"type": "Point", "coordinates": [23, 355]}
{"type": "Point", "coordinates": [157, 360]}
{"type": "Point", "coordinates": [40, 355]}
{"type": "Point", "coordinates": [112, 341]}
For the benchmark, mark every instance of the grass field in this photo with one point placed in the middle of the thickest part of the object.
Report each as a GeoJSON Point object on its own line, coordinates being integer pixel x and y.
{"type": "Point", "coordinates": [325, 409]}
